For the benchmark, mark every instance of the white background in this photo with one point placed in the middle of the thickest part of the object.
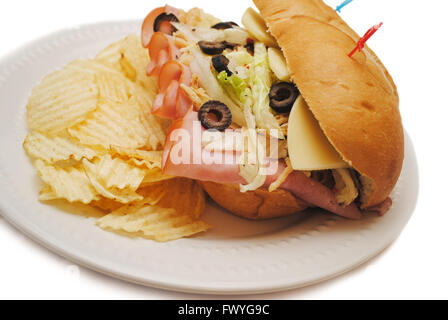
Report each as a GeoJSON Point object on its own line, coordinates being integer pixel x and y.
{"type": "Point", "coordinates": [412, 44]}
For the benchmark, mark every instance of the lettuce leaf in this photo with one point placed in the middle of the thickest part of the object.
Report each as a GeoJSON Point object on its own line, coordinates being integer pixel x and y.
{"type": "Point", "coordinates": [236, 87]}
{"type": "Point", "coordinates": [260, 81]}
{"type": "Point", "coordinates": [201, 67]}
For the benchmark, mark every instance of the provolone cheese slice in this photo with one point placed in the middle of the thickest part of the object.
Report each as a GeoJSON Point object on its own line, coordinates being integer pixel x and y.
{"type": "Point", "coordinates": [278, 64]}
{"type": "Point", "coordinates": [309, 149]}
{"type": "Point", "coordinates": [256, 25]}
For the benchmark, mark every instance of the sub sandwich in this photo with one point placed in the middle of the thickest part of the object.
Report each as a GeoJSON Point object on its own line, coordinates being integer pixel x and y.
{"type": "Point", "coordinates": [274, 117]}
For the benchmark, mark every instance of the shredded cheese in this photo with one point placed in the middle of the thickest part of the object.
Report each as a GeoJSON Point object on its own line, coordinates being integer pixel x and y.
{"type": "Point", "coordinates": [282, 178]}
{"type": "Point", "coordinates": [198, 96]}
{"type": "Point", "coordinates": [346, 191]}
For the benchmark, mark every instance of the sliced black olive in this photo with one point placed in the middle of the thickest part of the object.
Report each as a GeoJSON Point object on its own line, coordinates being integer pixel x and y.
{"type": "Point", "coordinates": [220, 64]}
{"type": "Point", "coordinates": [250, 47]}
{"type": "Point", "coordinates": [163, 23]}
{"type": "Point", "coordinates": [225, 25]}
{"type": "Point", "coordinates": [230, 45]}
{"type": "Point", "coordinates": [282, 96]}
{"type": "Point", "coordinates": [215, 115]}
{"type": "Point", "coordinates": [212, 48]}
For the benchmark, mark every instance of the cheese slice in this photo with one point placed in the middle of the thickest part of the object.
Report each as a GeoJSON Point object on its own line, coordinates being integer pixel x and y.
{"type": "Point", "coordinates": [278, 64]}
{"type": "Point", "coordinates": [255, 24]}
{"type": "Point", "coordinates": [309, 149]}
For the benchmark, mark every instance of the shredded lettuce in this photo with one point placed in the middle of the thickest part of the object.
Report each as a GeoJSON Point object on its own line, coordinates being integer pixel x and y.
{"type": "Point", "coordinates": [260, 81]}
{"type": "Point", "coordinates": [255, 84]}
{"type": "Point", "coordinates": [239, 58]}
{"type": "Point", "coordinates": [236, 87]}
{"type": "Point", "coordinates": [201, 67]}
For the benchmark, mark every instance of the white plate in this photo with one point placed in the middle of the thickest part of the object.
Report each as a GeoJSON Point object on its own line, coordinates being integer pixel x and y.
{"type": "Point", "coordinates": [236, 257]}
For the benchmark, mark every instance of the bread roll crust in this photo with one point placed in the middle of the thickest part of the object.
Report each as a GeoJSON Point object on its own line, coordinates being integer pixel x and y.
{"type": "Point", "coordinates": [354, 99]}
{"type": "Point", "coordinates": [255, 205]}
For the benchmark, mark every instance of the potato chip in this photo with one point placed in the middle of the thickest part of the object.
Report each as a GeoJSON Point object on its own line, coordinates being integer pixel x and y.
{"type": "Point", "coordinates": [97, 142]}
{"type": "Point", "coordinates": [91, 67]}
{"type": "Point", "coordinates": [119, 89]}
{"type": "Point", "coordinates": [70, 183]}
{"type": "Point", "coordinates": [155, 126]}
{"type": "Point", "coordinates": [109, 178]}
{"type": "Point", "coordinates": [152, 194]}
{"type": "Point", "coordinates": [115, 173]}
{"type": "Point", "coordinates": [114, 87]}
{"type": "Point", "coordinates": [151, 166]}
{"type": "Point", "coordinates": [122, 196]}
{"type": "Point", "coordinates": [111, 55]}
{"type": "Point", "coordinates": [106, 205]}
{"type": "Point", "coordinates": [169, 211]}
{"type": "Point", "coordinates": [154, 175]}
{"type": "Point", "coordinates": [157, 134]}
{"type": "Point", "coordinates": [129, 56]}
{"type": "Point", "coordinates": [185, 196]}
{"type": "Point", "coordinates": [153, 222]}
{"type": "Point", "coordinates": [112, 124]}
{"type": "Point", "coordinates": [54, 149]}
{"type": "Point", "coordinates": [47, 194]}
{"type": "Point", "coordinates": [63, 99]}
{"type": "Point", "coordinates": [150, 159]}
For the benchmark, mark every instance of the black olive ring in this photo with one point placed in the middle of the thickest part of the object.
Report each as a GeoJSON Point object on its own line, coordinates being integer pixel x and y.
{"type": "Point", "coordinates": [212, 47]}
{"type": "Point", "coordinates": [220, 63]}
{"type": "Point", "coordinates": [282, 96]}
{"type": "Point", "coordinates": [225, 25]}
{"type": "Point", "coordinates": [215, 115]}
{"type": "Point", "coordinates": [165, 17]}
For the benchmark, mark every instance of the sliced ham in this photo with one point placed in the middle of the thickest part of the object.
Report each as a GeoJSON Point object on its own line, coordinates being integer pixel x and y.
{"type": "Point", "coordinates": [197, 163]}
{"type": "Point", "coordinates": [171, 102]}
{"type": "Point", "coordinates": [148, 23]}
{"type": "Point", "coordinates": [164, 105]}
{"type": "Point", "coordinates": [183, 144]}
{"type": "Point", "coordinates": [161, 49]}
{"type": "Point", "coordinates": [319, 195]}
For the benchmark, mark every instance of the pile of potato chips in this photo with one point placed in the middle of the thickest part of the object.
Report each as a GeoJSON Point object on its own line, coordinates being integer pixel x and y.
{"type": "Point", "coordinates": [94, 141]}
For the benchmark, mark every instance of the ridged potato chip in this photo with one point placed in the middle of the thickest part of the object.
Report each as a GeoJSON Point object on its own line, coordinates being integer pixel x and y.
{"type": "Point", "coordinates": [122, 196]}
{"type": "Point", "coordinates": [157, 134]}
{"type": "Point", "coordinates": [91, 67]}
{"type": "Point", "coordinates": [111, 55]}
{"type": "Point", "coordinates": [112, 124]}
{"type": "Point", "coordinates": [106, 205]}
{"type": "Point", "coordinates": [150, 159]}
{"type": "Point", "coordinates": [63, 99]}
{"type": "Point", "coordinates": [169, 211]}
{"type": "Point", "coordinates": [97, 142]}
{"type": "Point", "coordinates": [109, 178]}
{"type": "Point", "coordinates": [70, 183]}
{"type": "Point", "coordinates": [115, 173]}
{"type": "Point", "coordinates": [156, 127]}
{"type": "Point", "coordinates": [47, 194]}
{"type": "Point", "coordinates": [153, 194]}
{"type": "Point", "coordinates": [54, 149]}
{"type": "Point", "coordinates": [153, 176]}
{"type": "Point", "coordinates": [129, 56]}
{"type": "Point", "coordinates": [153, 222]}
{"type": "Point", "coordinates": [114, 87]}
{"type": "Point", "coordinates": [121, 90]}
{"type": "Point", "coordinates": [185, 196]}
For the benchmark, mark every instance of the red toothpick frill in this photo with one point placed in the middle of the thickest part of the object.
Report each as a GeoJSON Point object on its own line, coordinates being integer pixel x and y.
{"type": "Point", "coordinates": [362, 42]}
